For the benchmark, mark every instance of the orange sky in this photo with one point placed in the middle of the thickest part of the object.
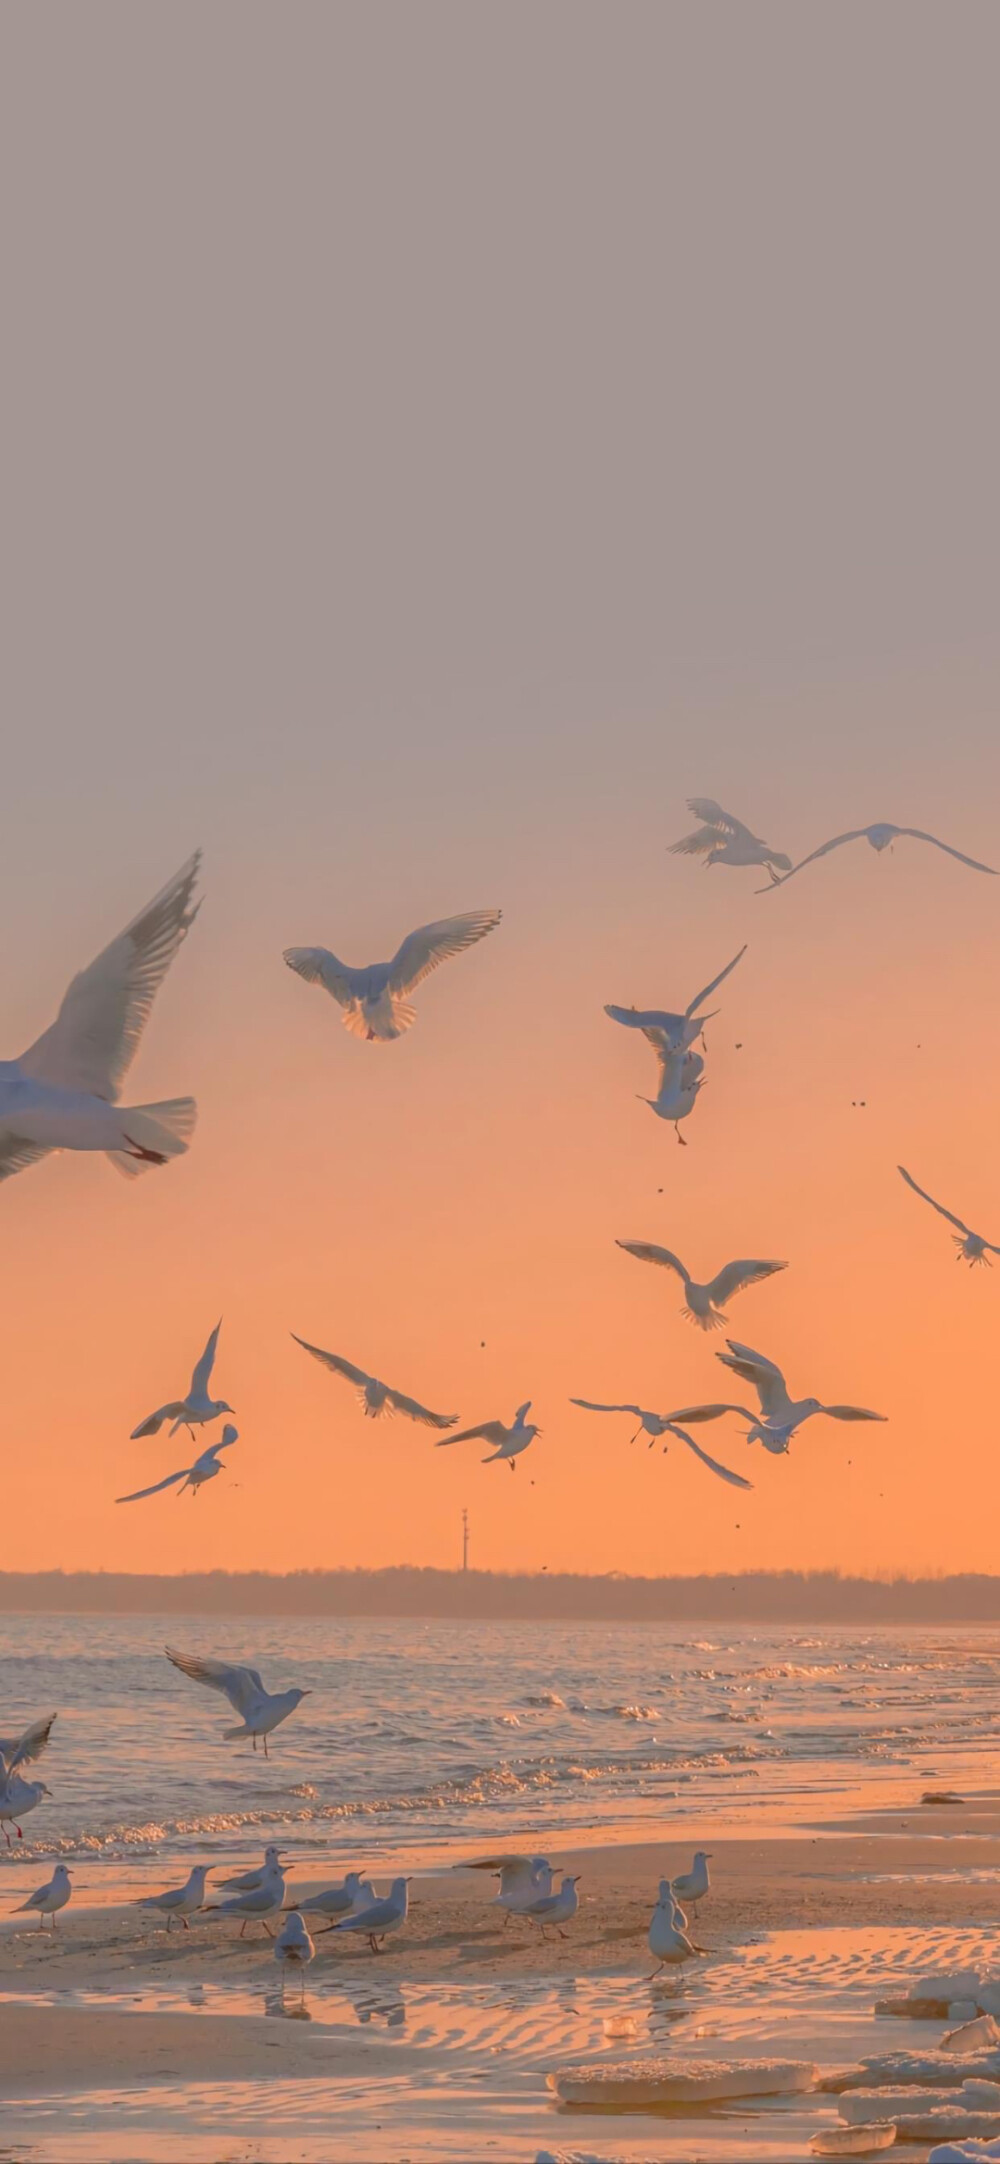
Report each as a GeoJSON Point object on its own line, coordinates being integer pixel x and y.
{"type": "Point", "coordinates": [415, 525]}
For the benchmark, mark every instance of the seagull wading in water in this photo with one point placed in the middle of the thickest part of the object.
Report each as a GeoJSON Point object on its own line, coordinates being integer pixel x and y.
{"type": "Point", "coordinates": [375, 998]}
{"type": "Point", "coordinates": [509, 1442]}
{"type": "Point", "coordinates": [779, 1415]}
{"type": "Point", "coordinates": [704, 1303]}
{"type": "Point", "coordinates": [972, 1247]}
{"type": "Point", "coordinates": [880, 836]}
{"type": "Point", "coordinates": [62, 1094]}
{"type": "Point", "coordinates": [18, 1796]}
{"type": "Point", "coordinates": [375, 1396]}
{"type": "Point", "coordinates": [721, 839]}
{"type": "Point", "coordinates": [674, 1032]}
{"type": "Point", "coordinates": [190, 1476]}
{"type": "Point", "coordinates": [197, 1408]}
{"type": "Point", "coordinates": [261, 1711]}
{"type": "Point", "coordinates": [656, 1425]}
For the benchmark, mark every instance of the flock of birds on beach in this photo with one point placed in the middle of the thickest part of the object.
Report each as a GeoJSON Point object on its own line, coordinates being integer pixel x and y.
{"type": "Point", "coordinates": [64, 1093]}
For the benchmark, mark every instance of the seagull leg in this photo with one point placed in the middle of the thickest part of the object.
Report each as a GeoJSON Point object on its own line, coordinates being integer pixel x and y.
{"type": "Point", "coordinates": [269, 1933]}
{"type": "Point", "coordinates": [267, 1753]}
{"type": "Point", "coordinates": [243, 1925]}
{"type": "Point", "coordinates": [513, 1467]}
{"type": "Point", "coordinates": [185, 1923]}
{"type": "Point", "coordinates": [680, 1137]}
{"type": "Point", "coordinates": [634, 1438]}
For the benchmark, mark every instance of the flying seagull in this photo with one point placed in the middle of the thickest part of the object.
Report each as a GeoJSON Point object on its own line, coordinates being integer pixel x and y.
{"type": "Point", "coordinates": [375, 1396]}
{"type": "Point", "coordinates": [681, 1078]}
{"type": "Point", "coordinates": [704, 1303]}
{"type": "Point", "coordinates": [62, 1094]}
{"type": "Point", "coordinates": [971, 1245]}
{"type": "Point", "coordinates": [17, 1796]}
{"type": "Point", "coordinates": [375, 998]}
{"type": "Point", "coordinates": [190, 1476]}
{"type": "Point", "coordinates": [509, 1442]}
{"type": "Point", "coordinates": [19, 1750]}
{"type": "Point", "coordinates": [656, 1424]}
{"type": "Point", "coordinates": [194, 1410]}
{"type": "Point", "coordinates": [779, 1415]}
{"type": "Point", "coordinates": [260, 1711]}
{"type": "Point", "coordinates": [721, 839]}
{"type": "Point", "coordinates": [880, 836]}
{"type": "Point", "coordinates": [678, 1031]}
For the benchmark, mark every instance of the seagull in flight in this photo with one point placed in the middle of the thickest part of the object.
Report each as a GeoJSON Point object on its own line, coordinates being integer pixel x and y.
{"type": "Point", "coordinates": [779, 1414]}
{"type": "Point", "coordinates": [375, 998]}
{"type": "Point", "coordinates": [194, 1410]}
{"type": "Point", "coordinates": [677, 1031]}
{"type": "Point", "coordinates": [721, 839]}
{"type": "Point", "coordinates": [681, 1078]}
{"type": "Point", "coordinates": [62, 1094]}
{"type": "Point", "coordinates": [972, 1247]}
{"type": "Point", "coordinates": [880, 836]}
{"type": "Point", "coordinates": [704, 1303]}
{"type": "Point", "coordinates": [17, 1796]}
{"type": "Point", "coordinates": [509, 1442]}
{"type": "Point", "coordinates": [190, 1476]}
{"type": "Point", "coordinates": [260, 1711]}
{"type": "Point", "coordinates": [656, 1424]}
{"type": "Point", "coordinates": [376, 1396]}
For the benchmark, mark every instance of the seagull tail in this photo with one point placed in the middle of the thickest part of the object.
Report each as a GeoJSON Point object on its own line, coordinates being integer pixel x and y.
{"type": "Point", "coordinates": [381, 1024]}
{"type": "Point", "coordinates": [235, 1735]}
{"type": "Point", "coordinates": [155, 1132]}
{"type": "Point", "coordinates": [714, 1319]}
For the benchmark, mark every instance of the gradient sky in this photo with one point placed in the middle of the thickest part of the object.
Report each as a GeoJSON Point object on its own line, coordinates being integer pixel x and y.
{"type": "Point", "coordinates": [437, 441]}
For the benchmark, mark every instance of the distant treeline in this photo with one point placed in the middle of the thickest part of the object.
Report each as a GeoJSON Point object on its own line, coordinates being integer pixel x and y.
{"type": "Point", "coordinates": [753, 1597]}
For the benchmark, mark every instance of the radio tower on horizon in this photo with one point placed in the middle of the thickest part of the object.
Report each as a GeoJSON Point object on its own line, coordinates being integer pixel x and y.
{"type": "Point", "coordinates": [465, 1540]}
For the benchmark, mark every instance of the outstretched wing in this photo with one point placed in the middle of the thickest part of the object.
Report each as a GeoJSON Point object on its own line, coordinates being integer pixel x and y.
{"type": "Point", "coordinates": [917, 834]}
{"type": "Point", "coordinates": [689, 1414]}
{"type": "Point", "coordinates": [647, 1251]}
{"type": "Point", "coordinates": [318, 966]}
{"type": "Point", "coordinates": [18, 1750]}
{"type": "Point", "coordinates": [851, 1412]}
{"type": "Point", "coordinates": [154, 1421]}
{"type": "Point", "coordinates": [735, 1480]}
{"type": "Point", "coordinates": [96, 1033]}
{"type": "Point", "coordinates": [763, 1375]}
{"type": "Point", "coordinates": [488, 1431]}
{"type": "Point", "coordinates": [422, 950]}
{"type": "Point", "coordinates": [242, 1686]}
{"type": "Point", "coordinates": [415, 1411]}
{"type": "Point", "coordinates": [334, 1361]}
{"type": "Point", "coordinates": [716, 981]}
{"type": "Point", "coordinates": [697, 844]}
{"type": "Point", "coordinates": [203, 1369]}
{"type": "Point", "coordinates": [170, 1482]}
{"type": "Point", "coordinates": [16, 1154]}
{"type": "Point", "coordinates": [856, 834]}
{"type": "Point", "coordinates": [590, 1407]}
{"type": "Point", "coordinates": [705, 807]}
{"type": "Point", "coordinates": [938, 1206]}
{"type": "Point", "coordinates": [736, 1276]}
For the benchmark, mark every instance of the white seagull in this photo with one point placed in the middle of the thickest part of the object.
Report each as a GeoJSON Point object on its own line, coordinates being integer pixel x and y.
{"type": "Point", "coordinates": [62, 1094]}
{"type": "Point", "coordinates": [48, 1899]}
{"type": "Point", "coordinates": [376, 1396]}
{"type": "Point", "coordinates": [353, 1894]}
{"type": "Point", "coordinates": [197, 1408]}
{"type": "Point", "coordinates": [522, 1883]}
{"type": "Point", "coordinates": [668, 1941]}
{"type": "Point", "coordinates": [704, 1303]}
{"type": "Point", "coordinates": [881, 836]}
{"type": "Point", "coordinates": [17, 1796]}
{"type": "Point", "coordinates": [293, 1948]}
{"type": "Point", "coordinates": [656, 1424]}
{"type": "Point", "coordinates": [721, 839]}
{"type": "Point", "coordinates": [509, 1442]}
{"type": "Point", "coordinates": [256, 1906]}
{"type": "Point", "coordinates": [20, 1750]}
{"type": "Point", "coordinates": [190, 1476]}
{"type": "Point", "coordinates": [379, 1917]}
{"type": "Point", "coordinates": [680, 1080]}
{"type": "Point", "coordinates": [677, 1031]}
{"type": "Point", "coordinates": [182, 1901]}
{"type": "Point", "coordinates": [971, 1246]}
{"type": "Point", "coordinates": [693, 1885]}
{"type": "Point", "coordinates": [555, 1909]}
{"type": "Point", "coordinates": [261, 1711]}
{"type": "Point", "coordinates": [375, 998]}
{"type": "Point", "coordinates": [779, 1415]}
{"type": "Point", "coordinates": [248, 1881]}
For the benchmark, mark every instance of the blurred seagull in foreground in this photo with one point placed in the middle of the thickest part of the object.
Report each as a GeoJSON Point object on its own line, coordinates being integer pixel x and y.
{"type": "Point", "coordinates": [49, 1898]}
{"type": "Point", "coordinates": [293, 1948]}
{"type": "Point", "coordinates": [656, 1424]}
{"type": "Point", "coordinates": [704, 1303]}
{"type": "Point", "coordinates": [190, 1476]}
{"type": "Point", "coordinates": [880, 836]}
{"type": "Point", "coordinates": [676, 1031]}
{"type": "Point", "coordinates": [779, 1415]}
{"type": "Point", "coordinates": [379, 1917]}
{"type": "Point", "coordinates": [374, 998]}
{"type": "Point", "coordinates": [197, 1408]}
{"type": "Point", "coordinates": [509, 1441]}
{"type": "Point", "coordinates": [721, 839]}
{"type": "Point", "coordinates": [62, 1094]}
{"type": "Point", "coordinates": [261, 1711]}
{"type": "Point", "coordinates": [375, 1396]}
{"type": "Point", "coordinates": [971, 1246]}
{"type": "Point", "coordinates": [693, 1885]}
{"type": "Point", "coordinates": [182, 1901]}
{"type": "Point", "coordinates": [248, 1881]}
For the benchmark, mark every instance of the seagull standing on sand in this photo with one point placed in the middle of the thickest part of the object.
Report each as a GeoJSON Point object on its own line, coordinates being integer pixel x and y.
{"type": "Point", "coordinates": [256, 1906]}
{"type": "Point", "coordinates": [379, 1917]}
{"type": "Point", "coordinates": [779, 1415]}
{"type": "Point", "coordinates": [49, 1899]}
{"type": "Point", "coordinates": [656, 1424]}
{"type": "Point", "coordinates": [17, 1796]}
{"type": "Point", "coordinates": [182, 1901]}
{"type": "Point", "coordinates": [509, 1441]}
{"type": "Point", "coordinates": [677, 1031]}
{"type": "Point", "coordinates": [62, 1094]}
{"type": "Point", "coordinates": [555, 1909]}
{"type": "Point", "coordinates": [376, 1396]}
{"type": "Point", "coordinates": [880, 836]}
{"type": "Point", "coordinates": [972, 1247]}
{"type": "Point", "coordinates": [721, 839]}
{"type": "Point", "coordinates": [346, 1899]}
{"type": "Point", "coordinates": [191, 1476]}
{"type": "Point", "coordinates": [197, 1408]}
{"type": "Point", "coordinates": [293, 1948]}
{"type": "Point", "coordinates": [248, 1881]}
{"type": "Point", "coordinates": [668, 1941]}
{"type": "Point", "coordinates": [693, 1885]}
{"type": "Point", "coordinates": [375, 998]}
{"type": "Point", "coordinates": [261, 1711]}
{"type": "Point", "coordinates": [704, 1303]}
{"type": "Point", "coordinates": [521, 1884]}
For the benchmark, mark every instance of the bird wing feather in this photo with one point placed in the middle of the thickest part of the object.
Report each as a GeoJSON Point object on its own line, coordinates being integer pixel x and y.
{"type": "Point", "coordinates": [489, 1431]}
{"type": "Point", "coordinates": [242, 1686]}
{"type": "Point", "coordinates": [154, 1421]}
{"type": "Point", "coordinates": [856, 834]}
{"type": "Point", "coordinates": [917, 834]}
{"type": "Point", "coordinates": [938, 1206]}
{"type": "Point", "coordinates": [590, 1407]}
{"type": "Point", "coordinates": [203, 1367]}
{"type": "Point", "coordinates": [850, 1412]}
{"type": "Point", "coordinates": [16, 1154]}
{"type": "Point", "coordinates": [18, 1750]}
{"type": "Point", "coordinates": [764, 1376]}
{"type": "Point", "coordinates": [316, 965]}
{"type": "Point", "coordinates": [335, 1361]}
{"type": "Point", "coordinates": [697, 844]}
{"type": "Point", "coordinates": [415, 1411]}
{"type": "Point", "coordinates": [705, 807]}
{"type": "Point", "coordinates": [716, 981]}
{"type": "Point", "coordinates": [647, 1251]}
{"type": "Point", "coordinates": [423, 950]}
{"type": "Point", "coordinates": [736, 1276]}
{"type": "Point", "coordinates": [170, 1482]}
{"type": "Point", "coordinates": [735, 1480]}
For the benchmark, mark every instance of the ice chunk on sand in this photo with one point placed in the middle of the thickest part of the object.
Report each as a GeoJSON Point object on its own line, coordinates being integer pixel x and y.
{"type": "Point", "coordinates": [854, 2140]}
{"type": "Point", "coordinates": [635, 2084]}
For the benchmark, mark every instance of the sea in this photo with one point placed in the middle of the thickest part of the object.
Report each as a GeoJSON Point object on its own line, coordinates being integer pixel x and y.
{"type": "Point", "coordinates": [431, 1736]}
